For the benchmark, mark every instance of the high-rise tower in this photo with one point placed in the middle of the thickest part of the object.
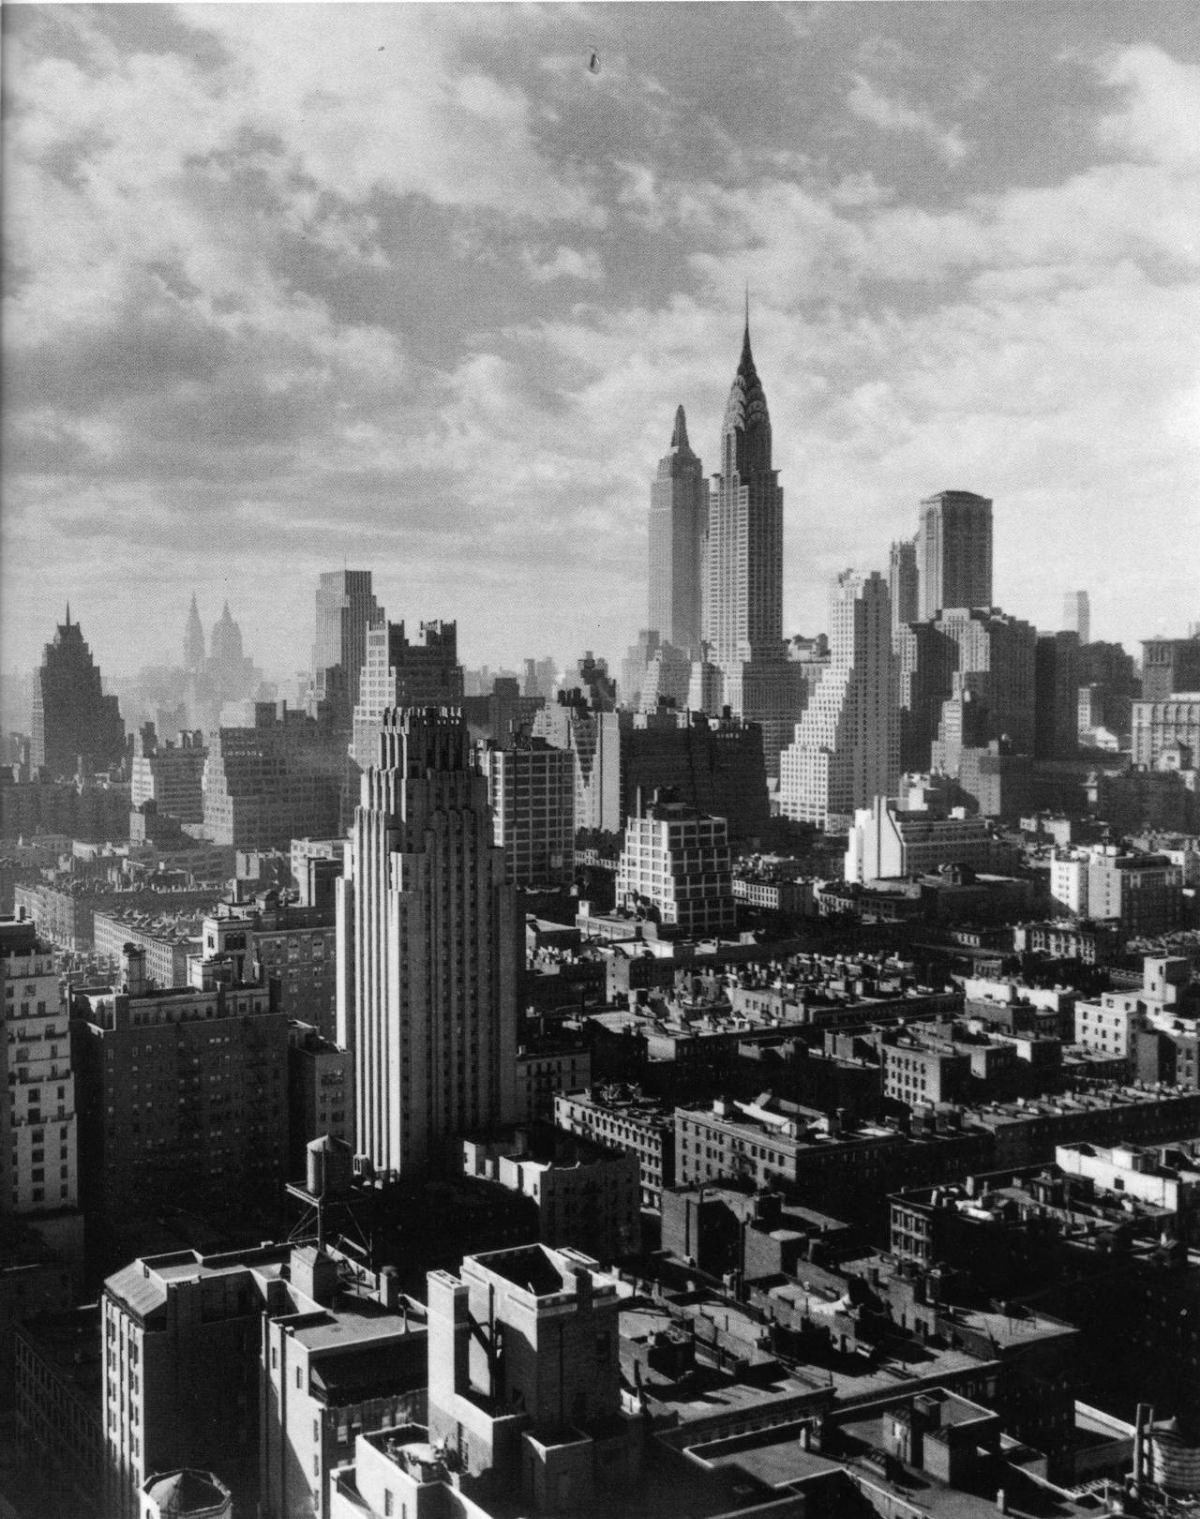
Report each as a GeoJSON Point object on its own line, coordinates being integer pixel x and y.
{"type": "Point", "coordinates": [73, 720]}
{"type": "Point", "coordinates": [678, 521]}
{"type": "Point", "coordinates": [743, 585]}
{"type": "Point", "coordinates": [1077, 615]}
{"type": "Point", "coordinates": [427, 943]}
{"type": "Point", "coordinates": [193, 639]}
{"type": "Point", "coordinates": [954, 552]}
{"type": "Point", "coordinates": [346, 608]}
{"type": "Point", "coordinates": [744, 590]}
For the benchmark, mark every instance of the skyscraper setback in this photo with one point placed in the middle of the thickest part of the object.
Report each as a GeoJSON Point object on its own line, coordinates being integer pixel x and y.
{"type": "Point", "coordinates": [73, 720]}
{"type": "Point", "coordinates": [346, 608]}
{"type": "Point", "coordinates": [427, 944]}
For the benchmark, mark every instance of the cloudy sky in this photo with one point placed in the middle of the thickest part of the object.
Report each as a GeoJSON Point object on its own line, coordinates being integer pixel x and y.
{"type": "Point", "coordinates": [409, 288]}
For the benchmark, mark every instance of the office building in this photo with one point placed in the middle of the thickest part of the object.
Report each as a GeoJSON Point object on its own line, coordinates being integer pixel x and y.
{"type": "Point", "coordinates": [38, 1135]}
{"type": "Point", "coordinates": [76, 728]}
{"type": "Point", "coordinates": [743, 587]}
{"type": "Point", "coordinates": [346, 608]}
{"type": "Point", "coordinates": [993, 686]}
{"type": "Point", "coordinates": [1077, 617]}
{"type": "Point", "coordinates": [846, 749]}
{"type": "Point", "coordinates": [1166, 733]}
{"type": "Point", "coordinates": [273, 781]}
{"type": "Point", "coordinates": [954, 552]}
{"type": "Point", "coordinates": [398, 672]}
{"type": "Point", "coordinates": [675, 869]}
{"type": "Point", "coordinates": [427, 946]}
{"type": "Point", "coordinates": [1169, 666]}
{"type": "Point", "coordinates": [531, 790]}
{"type": "Point", "coordinates": [678, 524]}
{"type": "Point", "coordinates": [170, 774]}
{"type": "Point", "coordinates": [1056, 696]}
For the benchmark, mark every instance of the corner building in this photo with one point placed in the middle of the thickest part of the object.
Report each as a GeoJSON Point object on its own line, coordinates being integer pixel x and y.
{"type": "Point", "coordinates": [427, 945]}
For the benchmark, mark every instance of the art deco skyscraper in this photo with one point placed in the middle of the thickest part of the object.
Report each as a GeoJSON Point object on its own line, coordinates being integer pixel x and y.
{"type": "Point", "coordinates": [678, 521]}
{"type": "Point", "coordinates": [427, 945]}
{"type": "Point", "coordinates": [904, 584]}
{"type": "Point", "coordinates": [744, 590]}
{"type": "Point", "coordinates": [954, 552]}
{"type": "Point", "coordinates": [743, 605]}
{"type": "Point", "coordinates": [72, 717]}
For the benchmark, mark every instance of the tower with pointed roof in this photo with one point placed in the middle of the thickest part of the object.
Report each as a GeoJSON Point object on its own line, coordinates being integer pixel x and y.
{"type": "Point", "coordinates": [193, 639]}
{"type": "Point", "coordinates": [74, 724]}
{"type": "Point", "coordinates": [678, 522]}
{"type": "Point", "coordinates": [743, 581]}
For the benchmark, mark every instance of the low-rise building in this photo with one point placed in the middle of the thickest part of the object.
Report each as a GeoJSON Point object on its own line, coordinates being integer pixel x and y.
{"type": "Point", "coordinates": [623, 1119]}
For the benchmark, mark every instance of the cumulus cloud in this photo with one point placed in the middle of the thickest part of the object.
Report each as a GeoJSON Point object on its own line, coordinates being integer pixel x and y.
{"type": "Point", "coordinates": [891, 114]}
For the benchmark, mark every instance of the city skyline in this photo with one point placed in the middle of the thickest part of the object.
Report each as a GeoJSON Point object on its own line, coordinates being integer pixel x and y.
{"type": "Point", "coordinates": [413, 289]}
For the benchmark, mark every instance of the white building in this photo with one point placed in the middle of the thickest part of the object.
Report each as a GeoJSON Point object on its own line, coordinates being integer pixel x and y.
{"type": "Point", "coordinates": [846, 749]}
{"type": "Point", "coordinates": [38, 1135]}
{"type": "Point", "coordinates": [677, 859]}
{"type": "Point", "coordinates": [886, 843]}
{"type": "Point", "coordinates": [427, 946]}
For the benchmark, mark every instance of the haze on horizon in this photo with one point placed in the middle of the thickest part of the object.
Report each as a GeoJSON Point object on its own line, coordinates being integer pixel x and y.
{"type": "Point", "coordinates": [408, 288]}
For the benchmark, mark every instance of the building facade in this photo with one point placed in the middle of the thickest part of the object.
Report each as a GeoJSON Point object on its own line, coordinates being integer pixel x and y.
{"type": "Point", "coordinates": [954, 552]}
{"type": "Point", "coordinates": [677, 860]}
{"type": "Point", "coordinates": [427, 946]}
{"type": "Point", "coordinates": [531, 789]}
{"type": "Point", "coordinates": [39, 1148]}
{"type": "Point", "coordinates": [846, 748]}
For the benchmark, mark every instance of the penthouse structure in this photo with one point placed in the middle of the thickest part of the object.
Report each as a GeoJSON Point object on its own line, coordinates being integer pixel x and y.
{"type": "Point", "coordinates": [427, 944]}
{"type": "Point", "coordinates": [676, 863]}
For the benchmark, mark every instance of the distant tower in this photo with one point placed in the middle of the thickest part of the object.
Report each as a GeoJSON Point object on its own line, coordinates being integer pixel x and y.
{"type": "Point", "coordinates": [346, 609]}
{"type": "Point", "coordinates": [847, 746]}
{"type": "Point", "coordinates": [904, 584]}
{"type": "Point", "coordinates": [744, 607]}
{"type": "Point", "coordinates": [72, 718]}
{"type": "Point", "coordinates": [193, 639]}
{"type": "Point", "coordinates": [427, 946]}
{"type": "Point", "coordinates": [678, 521]}
{"type": "Point", "coordinates": [954, 552]}
{"type": "Point", "coordinates": [1077, 616]}
{"type": "Point", "coordinates": [226, 642]}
